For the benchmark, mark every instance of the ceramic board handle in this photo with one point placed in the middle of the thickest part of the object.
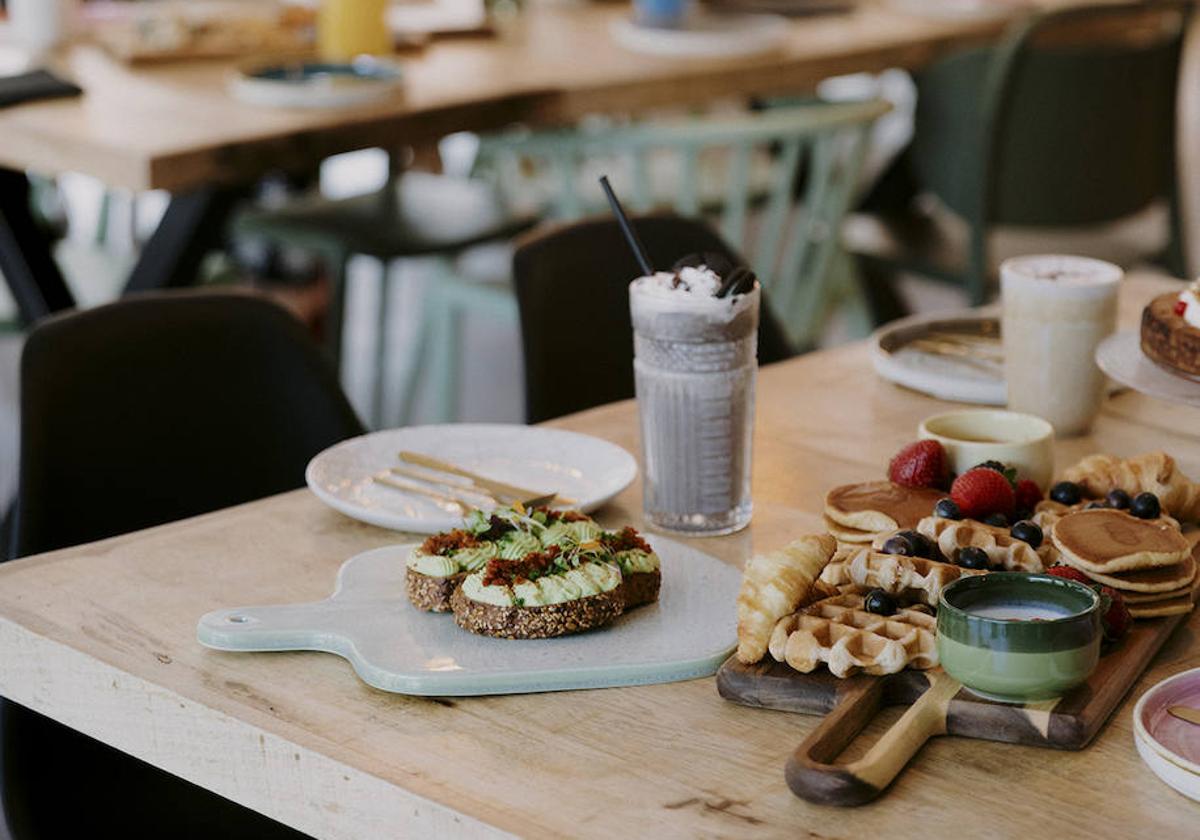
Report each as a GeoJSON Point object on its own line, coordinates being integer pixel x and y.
{"type": "Point", "coordinates": [280, 627]}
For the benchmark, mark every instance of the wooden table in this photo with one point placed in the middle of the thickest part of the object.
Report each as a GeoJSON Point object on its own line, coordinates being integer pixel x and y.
{"type": "Point", "coordinates": [175, 127]}
{"type": "Point", "coordinates": [102, 638]}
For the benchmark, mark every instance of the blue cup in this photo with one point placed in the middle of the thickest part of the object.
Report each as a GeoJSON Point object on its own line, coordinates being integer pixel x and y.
{"type": "Point", "coordinates": [661, 14]}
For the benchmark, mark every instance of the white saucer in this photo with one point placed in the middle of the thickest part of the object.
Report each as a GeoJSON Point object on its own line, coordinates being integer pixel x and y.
{"type": "Point", "coordinates": [1121, 357]}
{"type": "Point", "coordinates": [944, 377]}
{"type": "Point", "coordinates": [706, 36]}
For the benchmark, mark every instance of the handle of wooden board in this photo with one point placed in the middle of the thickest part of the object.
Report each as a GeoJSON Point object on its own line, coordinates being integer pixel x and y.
{"type": "Point", "coordinates": [811, 773]}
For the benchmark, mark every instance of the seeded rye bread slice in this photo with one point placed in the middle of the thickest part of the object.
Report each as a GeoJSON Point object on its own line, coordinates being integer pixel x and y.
{"type": "Point", "coordinates": [430, 593]}
{"type": "Point", "coordinates": [542, 622]}
{"type": "Point", "coordinates": [641, 587]}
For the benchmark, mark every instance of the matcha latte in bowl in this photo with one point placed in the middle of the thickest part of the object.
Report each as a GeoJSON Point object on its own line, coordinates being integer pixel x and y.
{"type": "Point", "coordinates": [1017, 637]}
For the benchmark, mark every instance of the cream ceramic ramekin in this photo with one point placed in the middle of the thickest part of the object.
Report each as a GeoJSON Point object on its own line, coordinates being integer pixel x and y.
{"type": "Point", "coordinates": [972, 436]}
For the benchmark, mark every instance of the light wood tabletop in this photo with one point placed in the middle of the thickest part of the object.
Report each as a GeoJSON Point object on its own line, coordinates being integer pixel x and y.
{"type": "Point", "coordinates": [102, 638]}
{"type": "Point", "coordinates": [175, 127]}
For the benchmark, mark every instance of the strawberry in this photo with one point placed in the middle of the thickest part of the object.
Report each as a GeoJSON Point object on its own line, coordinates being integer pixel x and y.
{"type": "Point", "coordinates": [920, 464]}
{"type": "Point", "coordinates": [981, 491]}
{"type": "Point", "coordinates": [1028, 494]}
{"type": "Point", "coordinates": [1180, 307]}
{"type": "Point", "coordinates": [1114, 615]}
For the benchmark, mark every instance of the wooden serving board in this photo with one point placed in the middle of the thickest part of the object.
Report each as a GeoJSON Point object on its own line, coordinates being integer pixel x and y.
{"type": "Point", "coordinates": [1069, 722]}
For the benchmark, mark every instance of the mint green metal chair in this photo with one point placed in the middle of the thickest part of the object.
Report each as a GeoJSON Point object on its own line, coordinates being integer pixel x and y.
{"type": "Point", "coordinates": [739, 172]}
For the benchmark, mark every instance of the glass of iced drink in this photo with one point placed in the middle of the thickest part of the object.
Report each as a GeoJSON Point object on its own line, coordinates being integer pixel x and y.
{"type": "Point", "coordinates": [1057, 310]}
{"type": "Point", "coordinates": [695, 365]}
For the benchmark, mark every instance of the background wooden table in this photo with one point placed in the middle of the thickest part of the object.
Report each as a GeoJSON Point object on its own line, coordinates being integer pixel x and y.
{"type": "Point", "coordinates": [102, 638]}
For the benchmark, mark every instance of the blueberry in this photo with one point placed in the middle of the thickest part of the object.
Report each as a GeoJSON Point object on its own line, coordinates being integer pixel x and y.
{"type": "Point", "coordinates": [1022, 513]}
{"type": "Point", "coordinates": [999, 520]}
{"type": "Point", "coordinates": [1145, 506]}
{"type": "Point", "coordinates": [922, 545]}
{"type": "Point", "coordinates": [1096, 505]}
{"type": "Point", "coordinates": [947, 509]}
{"type": "Point", "coordinates": [972, 557]}
{"type": "Point", "coordinates": [880, 603]}
{"type": "Point", "coordinates": [1066, 493]}
{"type": "Point", "coordinates": [1118, 499]}
{"type": "Point", "coordinates": [899, 544]}
{"type": "Point", "coordinates": [1028, 532]}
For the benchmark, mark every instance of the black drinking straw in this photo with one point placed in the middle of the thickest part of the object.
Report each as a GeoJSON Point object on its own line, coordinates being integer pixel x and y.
{"type": "Point", "coordinates": [635, 244]}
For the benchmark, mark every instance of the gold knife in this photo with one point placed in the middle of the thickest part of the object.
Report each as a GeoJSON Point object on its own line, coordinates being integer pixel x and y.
{"type": "Point", "coordinates": [1185, 713]}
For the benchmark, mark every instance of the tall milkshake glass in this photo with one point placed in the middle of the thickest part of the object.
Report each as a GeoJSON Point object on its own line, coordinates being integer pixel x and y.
{"type": "Point", "coordinates": [695, 365]}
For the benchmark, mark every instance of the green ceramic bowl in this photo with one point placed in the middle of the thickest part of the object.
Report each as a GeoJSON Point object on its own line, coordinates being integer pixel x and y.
{"type": "Point", "coordinates": [1018, 637]}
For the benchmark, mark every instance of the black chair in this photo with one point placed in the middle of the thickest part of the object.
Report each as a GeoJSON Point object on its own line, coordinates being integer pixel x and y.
{"type": "Point", "coordinates": [572, 291]}
{"type": "Point", "coordinates": [1068, 122]}
{"type": "Point", "coordinates": [133, 414]}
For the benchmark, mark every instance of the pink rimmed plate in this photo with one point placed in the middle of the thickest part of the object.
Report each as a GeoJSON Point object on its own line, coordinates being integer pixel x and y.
{"type": "Point", "coordinates": [1170, 746]}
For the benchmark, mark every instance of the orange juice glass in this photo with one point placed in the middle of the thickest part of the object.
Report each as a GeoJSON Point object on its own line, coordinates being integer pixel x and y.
{"type": "Point", "coordinates": [348, 28]}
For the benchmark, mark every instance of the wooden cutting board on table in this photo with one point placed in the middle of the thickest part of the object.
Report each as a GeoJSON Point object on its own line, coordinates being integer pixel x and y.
{"type": "Point", "coordinates": [938, 705]}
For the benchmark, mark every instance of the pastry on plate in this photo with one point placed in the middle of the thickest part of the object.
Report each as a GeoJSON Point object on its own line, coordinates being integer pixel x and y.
{"type": "Point", "coordinates": [1153, 472]}
{"type": "Point", "coordinates": [1171, 331]}
{"type": "Point", "coordinates": [545, 593]}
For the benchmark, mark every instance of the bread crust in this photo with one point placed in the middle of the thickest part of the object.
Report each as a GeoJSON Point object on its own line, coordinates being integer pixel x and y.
{"type": "Point", "coordinates": [429, 593]}
{"type": "Point", "coordinates": [542, 622]}
{"type": "Point", "coordinates": [641, 588]}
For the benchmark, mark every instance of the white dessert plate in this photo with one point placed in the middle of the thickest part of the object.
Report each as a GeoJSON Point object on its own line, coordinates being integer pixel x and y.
{"type": "Point", "coordinates": [580, 467]}
{"type": "Point", "coordinates": [393, 646]}
{"type": "Point", "coordinates": [706, 36]}
{"type": "Point", "coordinates": [313, 84]}
{"type": "Point", "coordinates": [899, 359]}
{"type": "Point", "coordinates": [1121, 357]}
{"type": "Point", "coordinates": [1168, 745]}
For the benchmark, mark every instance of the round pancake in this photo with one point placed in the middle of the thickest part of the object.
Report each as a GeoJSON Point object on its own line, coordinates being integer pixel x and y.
{"type": "Point", "coordinates": [880, 505]}
{"type": "Point", "coordinates": [1160, 579]}
{"type": "Point", "coordinates": [1172, 606]}
{"type": "Point", "coordinates": [848, 535]}
{"type": "Point", "coordinates": [1106, 541]}
{"type": "Point", "coordinates": [1132, 598]}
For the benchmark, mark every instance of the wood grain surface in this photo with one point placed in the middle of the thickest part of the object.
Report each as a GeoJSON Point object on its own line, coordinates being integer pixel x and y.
{"type": "Point", "coordinates": [101, 637]}
{"type": "Point", "coordinates": [174, 126]}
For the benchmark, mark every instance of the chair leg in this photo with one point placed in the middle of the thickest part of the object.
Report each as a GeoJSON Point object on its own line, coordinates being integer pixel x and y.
{"type": "Point", "coordinates": [416, 354]}
{"type": "Point", "coordinates": [336, 262]}
{"type": "Point", "coordinates": [379, 390]}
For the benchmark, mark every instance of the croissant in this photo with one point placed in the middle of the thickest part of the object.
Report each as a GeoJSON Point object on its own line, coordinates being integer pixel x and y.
{"type": "Point", "coordinates": [773, 585]}
{"type": "Point", "coordinates": [1154, 472]}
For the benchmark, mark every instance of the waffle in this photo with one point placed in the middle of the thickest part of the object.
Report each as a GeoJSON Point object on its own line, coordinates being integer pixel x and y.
{"type": "Point", "coordinates": [912, 578]}
{"type": "Point", "coordinates": [848, 639]}
{"type": "Point", "coordinates": [1003, 551]}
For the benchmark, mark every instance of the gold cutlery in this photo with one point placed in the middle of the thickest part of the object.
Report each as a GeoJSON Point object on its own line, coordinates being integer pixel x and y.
{"type": "Point", "coordinates": [1185, 713]}
{"type": "Point", "coordinates": [494, 488]}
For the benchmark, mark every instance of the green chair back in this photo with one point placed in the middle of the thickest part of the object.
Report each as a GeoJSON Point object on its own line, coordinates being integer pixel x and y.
{"type": "Point", "coordinates": [1070, 120]}
{"type": "Point", "coordinates": [739, 173]}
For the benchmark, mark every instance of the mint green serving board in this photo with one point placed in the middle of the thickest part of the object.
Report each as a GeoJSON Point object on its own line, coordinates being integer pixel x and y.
{"type": "Point", "coordinates": [395, 647]}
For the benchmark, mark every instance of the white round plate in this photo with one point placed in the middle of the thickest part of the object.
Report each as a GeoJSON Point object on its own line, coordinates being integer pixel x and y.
{"type": "Point", "coordinates": [706, 36]}
{"type": "Point", "coordinates": [1121, 357]}
{"type": "Point", "coordinates": [944, 377]}
{"type": "Point", "coordinates": [304, 85]}
{"type": "Point", "coordinates": [393, 646]}
{"type": "Point", "coordinates": [583, 468]}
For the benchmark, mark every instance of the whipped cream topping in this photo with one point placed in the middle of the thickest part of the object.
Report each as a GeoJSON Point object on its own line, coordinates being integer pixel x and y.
{"type": "Point", "coordinates": [1190, 297]}
{"type": "Point", "coordinates": [700, 281]}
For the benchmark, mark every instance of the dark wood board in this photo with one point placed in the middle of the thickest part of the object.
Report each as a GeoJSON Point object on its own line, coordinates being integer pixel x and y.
{"type": "Point", "coordinates": [1073, 720]}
